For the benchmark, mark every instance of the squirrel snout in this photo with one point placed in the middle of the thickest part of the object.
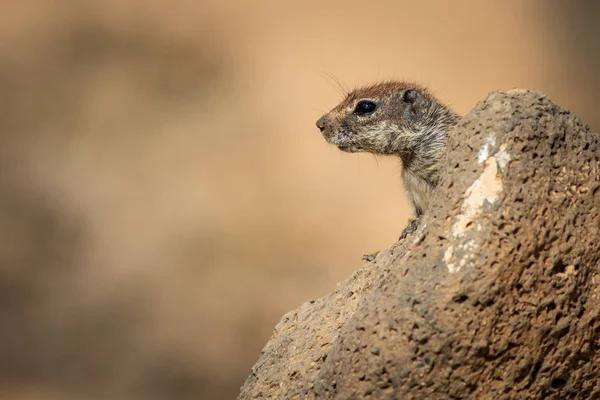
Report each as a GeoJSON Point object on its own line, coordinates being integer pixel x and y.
{"type": "Point", "coordinates": [321, 122]}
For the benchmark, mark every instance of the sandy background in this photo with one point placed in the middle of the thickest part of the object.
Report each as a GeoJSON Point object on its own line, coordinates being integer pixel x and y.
{"type": "Point", "coordinates": [165, 196]}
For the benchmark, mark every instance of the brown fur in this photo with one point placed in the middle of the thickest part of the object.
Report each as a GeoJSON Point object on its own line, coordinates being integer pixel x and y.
{"type": "Point", "coordinates": [413, 128]}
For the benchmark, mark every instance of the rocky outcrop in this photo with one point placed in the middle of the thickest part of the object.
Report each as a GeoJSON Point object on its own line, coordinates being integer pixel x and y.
{"type": "Point", "coordinates": [496, 295]}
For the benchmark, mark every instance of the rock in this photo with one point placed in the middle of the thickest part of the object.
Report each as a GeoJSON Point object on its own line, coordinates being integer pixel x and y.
{"type": "Point", "coordinates": [496, 295]}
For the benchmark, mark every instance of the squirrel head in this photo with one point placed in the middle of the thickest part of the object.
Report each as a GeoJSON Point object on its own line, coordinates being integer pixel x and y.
{"type": "Point", "coordinates": [385, 118]}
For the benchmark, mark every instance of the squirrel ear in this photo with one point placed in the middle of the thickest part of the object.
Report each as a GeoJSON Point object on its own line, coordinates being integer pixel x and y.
{"type": "Point", "coordinates": [410, 95]}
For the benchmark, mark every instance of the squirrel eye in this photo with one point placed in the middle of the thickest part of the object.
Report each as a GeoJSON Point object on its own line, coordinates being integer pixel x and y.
{"type": "Point", "coordinates": [365, 107]}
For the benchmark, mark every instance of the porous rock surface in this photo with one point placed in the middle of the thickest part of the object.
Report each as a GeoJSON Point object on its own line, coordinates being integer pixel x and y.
{"type": "Point", "coordinates": [495, 296]}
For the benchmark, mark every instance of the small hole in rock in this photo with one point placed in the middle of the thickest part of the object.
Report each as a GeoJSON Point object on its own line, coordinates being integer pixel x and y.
{"type": "Point", "coordinates": [558, 267]}
{"type": "Point", "coordinates": [558, 317]}
{"type": "Point", "coordinates": [461, 298]}
{"type": "Point", "coordinates": [558, 383]}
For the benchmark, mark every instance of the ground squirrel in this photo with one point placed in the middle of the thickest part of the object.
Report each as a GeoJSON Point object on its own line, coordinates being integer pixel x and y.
{"type": "Point", "coordinates": [395, 118]}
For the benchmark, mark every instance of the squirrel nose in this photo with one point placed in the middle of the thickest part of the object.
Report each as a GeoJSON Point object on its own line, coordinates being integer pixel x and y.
{"type": "Point", "coordinates": [321, 123]}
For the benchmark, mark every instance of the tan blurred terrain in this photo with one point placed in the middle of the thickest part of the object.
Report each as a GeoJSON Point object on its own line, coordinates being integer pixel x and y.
{"type": "Point", "coordinates": [165, 195]}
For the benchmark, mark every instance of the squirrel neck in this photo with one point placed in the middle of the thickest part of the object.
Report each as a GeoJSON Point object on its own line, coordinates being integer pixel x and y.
{"type": "Point", "coordinates": [421, 150]}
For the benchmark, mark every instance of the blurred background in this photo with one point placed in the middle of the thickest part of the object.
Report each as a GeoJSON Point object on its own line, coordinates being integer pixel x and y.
{"type": "Point", "coordinates": [165, 196]}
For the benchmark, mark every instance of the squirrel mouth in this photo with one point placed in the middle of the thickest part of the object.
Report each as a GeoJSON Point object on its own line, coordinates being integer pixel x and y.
{"type": "Point", "coordinates": [349, 148]}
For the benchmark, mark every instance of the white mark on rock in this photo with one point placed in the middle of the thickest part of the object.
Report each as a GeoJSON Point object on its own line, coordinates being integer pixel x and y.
{"type": "Point", "coordinates": [420, 235]}
{"type": "Point", "coordinates": [447, 257]}
{"type": "Point", "coordinates": [486, 188]}
{"type": "Point", "coordinates": [484, 152]}
{"type": "Point", "coordinates": [503, 157]}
